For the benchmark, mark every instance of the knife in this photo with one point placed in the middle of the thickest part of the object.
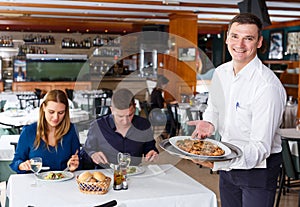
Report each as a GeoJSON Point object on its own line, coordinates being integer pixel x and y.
{"type": "Point", "coordinates": [108, 204]}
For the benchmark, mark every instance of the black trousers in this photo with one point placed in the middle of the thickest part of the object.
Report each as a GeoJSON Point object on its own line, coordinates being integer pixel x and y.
{"type": "Point", "coordinates": [254, 187]}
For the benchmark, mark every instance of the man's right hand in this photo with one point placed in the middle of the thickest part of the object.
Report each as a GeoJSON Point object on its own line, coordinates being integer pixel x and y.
{"type": "Point", "coordinates": [99, 158]}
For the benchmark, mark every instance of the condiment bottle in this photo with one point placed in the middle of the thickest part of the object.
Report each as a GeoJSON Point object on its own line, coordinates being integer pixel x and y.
{"type": "Point", "coordinates": [118, 178]}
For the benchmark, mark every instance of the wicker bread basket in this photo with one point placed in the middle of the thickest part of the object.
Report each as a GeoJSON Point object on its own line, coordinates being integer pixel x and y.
{"type": "Point", "coordinates": [94, 187]}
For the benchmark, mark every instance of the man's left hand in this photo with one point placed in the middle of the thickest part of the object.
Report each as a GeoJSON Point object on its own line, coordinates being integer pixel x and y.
{"type": "Point", "coordinates": [204, 163]}
{"type": "Point", "coordinates": [151, 156]}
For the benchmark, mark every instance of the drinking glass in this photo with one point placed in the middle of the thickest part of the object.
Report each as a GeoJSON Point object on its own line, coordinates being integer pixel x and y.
{"type": "Point", "coordinates": [124, 158]}
{"type": "Point", "coordinates": [36, 164]}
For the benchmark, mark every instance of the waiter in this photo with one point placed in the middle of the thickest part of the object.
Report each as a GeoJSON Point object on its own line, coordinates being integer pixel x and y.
{"type": "Point", "coordinates": [246, 103]}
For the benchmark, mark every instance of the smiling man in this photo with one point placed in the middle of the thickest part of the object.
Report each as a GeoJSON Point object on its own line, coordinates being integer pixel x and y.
{"type": "Point", "coordinates": [121, 131]}
{"type": "Point", "coordinates": [246, 103]}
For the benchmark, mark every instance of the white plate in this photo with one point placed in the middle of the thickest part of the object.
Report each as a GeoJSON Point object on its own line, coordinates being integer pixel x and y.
{"type": "Point", "coordinates": [67, 176]}
{"type": "Point", "coordinates": [139, 170]}
{"type": "Point", "coordinates": [173, 141]}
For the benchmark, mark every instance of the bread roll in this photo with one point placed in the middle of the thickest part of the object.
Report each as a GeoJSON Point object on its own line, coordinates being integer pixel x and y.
{"type": "Point", "coordinates": [93, 180]}
{"type": "Point", "coordinates": [99, 176]}
{"type": "Point", "coordinates": [85, 176]}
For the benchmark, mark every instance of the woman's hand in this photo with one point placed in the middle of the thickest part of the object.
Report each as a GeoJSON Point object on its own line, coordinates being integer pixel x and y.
{"type": "Point", "coordinates": [203, 128]}
{"type": "Point", "coordinates": [73, 162]}
{"type": "Point", "coordinates": [25, 165]}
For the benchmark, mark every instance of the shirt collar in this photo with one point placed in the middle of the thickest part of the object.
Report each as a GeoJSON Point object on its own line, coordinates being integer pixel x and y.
{"type": "Point", "coordinates": [249, 70]}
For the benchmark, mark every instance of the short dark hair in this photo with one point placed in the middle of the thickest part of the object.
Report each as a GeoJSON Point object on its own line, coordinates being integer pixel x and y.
{"type": "Point", "coordinates": [247, 18]}
{"type": "Point", "coordinates": [123, 99]}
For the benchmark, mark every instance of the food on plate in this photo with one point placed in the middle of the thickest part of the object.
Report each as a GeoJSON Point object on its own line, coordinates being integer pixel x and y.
{"type": "Point", "coordinates": [131, 169]}
{"type": "Point", "coordinates": [54, 176]}
{"type": "Point", "coordinates": [86, 176]}
{"type": "Point", "coordinates": [200, 147]}
{"type": "Point", "coordinates": [99, 176]}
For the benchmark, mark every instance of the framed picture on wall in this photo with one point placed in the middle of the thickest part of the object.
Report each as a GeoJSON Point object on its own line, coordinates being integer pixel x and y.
{"type": "Point", "coordinates": [293, 42]}
{"type": "Point", "coordinates": [187, 54]}
{"type": "Point", "coordinates": [276, 45]}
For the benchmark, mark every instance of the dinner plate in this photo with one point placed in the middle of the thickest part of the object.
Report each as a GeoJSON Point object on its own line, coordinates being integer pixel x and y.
{"type": "Point", "coordinates": [138, 170]}
{"type": "Point", "coordinates": [67, 176]}
{"type": "Point", "coordinates": [168, 147]}
{"type": "Point", "coordinates": [173, 141]}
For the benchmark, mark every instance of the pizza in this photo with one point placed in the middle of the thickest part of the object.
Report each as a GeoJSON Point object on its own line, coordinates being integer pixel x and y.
{"type": "Point", "coordinates": [200, 147]}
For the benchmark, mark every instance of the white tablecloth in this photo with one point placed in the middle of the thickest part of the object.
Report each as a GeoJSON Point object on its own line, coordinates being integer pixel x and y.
{"type": "Point", "coordinates": [21, 117]}
{"type": "Point", "coordinates": [291, 133]}
{"type": "Point", "coordinates": [168, 189]}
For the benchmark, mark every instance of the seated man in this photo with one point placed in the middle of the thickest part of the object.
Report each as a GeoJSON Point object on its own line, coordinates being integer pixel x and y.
{"type": "Point", "coordinates": [121, 131]}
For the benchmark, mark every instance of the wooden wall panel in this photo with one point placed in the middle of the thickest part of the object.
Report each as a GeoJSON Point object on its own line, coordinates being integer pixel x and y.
{"type": "Point", "coordinates": [183, 28]}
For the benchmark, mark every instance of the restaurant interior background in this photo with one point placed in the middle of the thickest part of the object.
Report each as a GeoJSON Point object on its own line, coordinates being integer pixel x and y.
{"type": "Point", "coordinates": [98, 44]}
{"type": "Point", "coordinates": [60, 29]}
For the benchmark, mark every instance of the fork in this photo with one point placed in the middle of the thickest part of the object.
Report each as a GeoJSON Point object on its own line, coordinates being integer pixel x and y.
{"type": "Point", "coordinates": [67, 168]}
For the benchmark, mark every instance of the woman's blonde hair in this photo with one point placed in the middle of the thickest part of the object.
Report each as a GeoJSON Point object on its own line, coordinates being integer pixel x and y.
{"type": "Point", "coordinates": [42, 126]}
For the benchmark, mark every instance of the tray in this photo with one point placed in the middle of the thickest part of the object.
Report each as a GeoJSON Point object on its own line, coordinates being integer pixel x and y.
{"type": "Point", "coordinates": [235, 152]}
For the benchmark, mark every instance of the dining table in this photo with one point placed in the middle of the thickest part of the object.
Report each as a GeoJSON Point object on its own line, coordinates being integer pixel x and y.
{"type": "Point", "coordinates": [158, 185]}
{"type": "Point", "coordinates": [293, 135]}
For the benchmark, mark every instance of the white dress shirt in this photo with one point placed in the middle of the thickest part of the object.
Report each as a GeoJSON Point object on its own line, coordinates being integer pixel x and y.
{"type": "Point", "coordinates": [247, 110]}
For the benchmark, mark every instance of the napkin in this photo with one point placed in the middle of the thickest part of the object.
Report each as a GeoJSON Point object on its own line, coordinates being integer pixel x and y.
{"type": "Point", "coordinates": [156, 170]}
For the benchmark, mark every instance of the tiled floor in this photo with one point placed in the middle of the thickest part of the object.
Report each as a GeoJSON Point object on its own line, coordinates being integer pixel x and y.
{"type": "Point", "coordinates": [211, 181]}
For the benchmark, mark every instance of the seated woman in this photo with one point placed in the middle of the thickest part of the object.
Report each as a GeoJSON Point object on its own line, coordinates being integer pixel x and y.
{"type": "Point", "coordinates": [53, 138]}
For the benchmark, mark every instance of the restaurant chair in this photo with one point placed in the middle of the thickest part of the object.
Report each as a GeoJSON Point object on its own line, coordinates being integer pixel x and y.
{"type": "Point", "coordinates": [2, 104]}
{"type": "Point", "coordinates": [28, 100]}
{"type": "Point", "coordinates": [174, 120]}
{"type": "Point", "coordinates": [70, 93]}
{"type": "Point", "coordinates": [2, 193]}
{"type": "Point", "coordinates": [290, 175]}
{"type": "Point", "coordinates": [158, 120]}
{"type": "Point", "coordinates": [102, 111]}
{"type": "Point", "coordinates": [146, 108]}
{"type": "Point", "coordinates": [187, 129]}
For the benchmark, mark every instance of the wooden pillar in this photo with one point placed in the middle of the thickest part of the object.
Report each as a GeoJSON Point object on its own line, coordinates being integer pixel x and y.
{"type": "Point", "coordinates": [183, 32]}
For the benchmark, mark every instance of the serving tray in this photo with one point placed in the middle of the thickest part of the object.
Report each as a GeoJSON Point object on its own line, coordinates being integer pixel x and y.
{"type": "Point", "coordinates": [235, 152]}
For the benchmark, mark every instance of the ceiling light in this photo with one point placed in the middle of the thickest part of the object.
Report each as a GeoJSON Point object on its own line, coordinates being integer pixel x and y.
{"type": "Point", "coordinates": [171, 2]}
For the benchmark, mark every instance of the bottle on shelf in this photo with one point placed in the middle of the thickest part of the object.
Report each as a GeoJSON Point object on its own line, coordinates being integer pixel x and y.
{"type": "Point", "coordinates": [6, 41]}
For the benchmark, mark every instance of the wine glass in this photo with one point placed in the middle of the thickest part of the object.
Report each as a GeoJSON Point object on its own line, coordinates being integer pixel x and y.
{"type": "Point", "coordinates": [36, 164]}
